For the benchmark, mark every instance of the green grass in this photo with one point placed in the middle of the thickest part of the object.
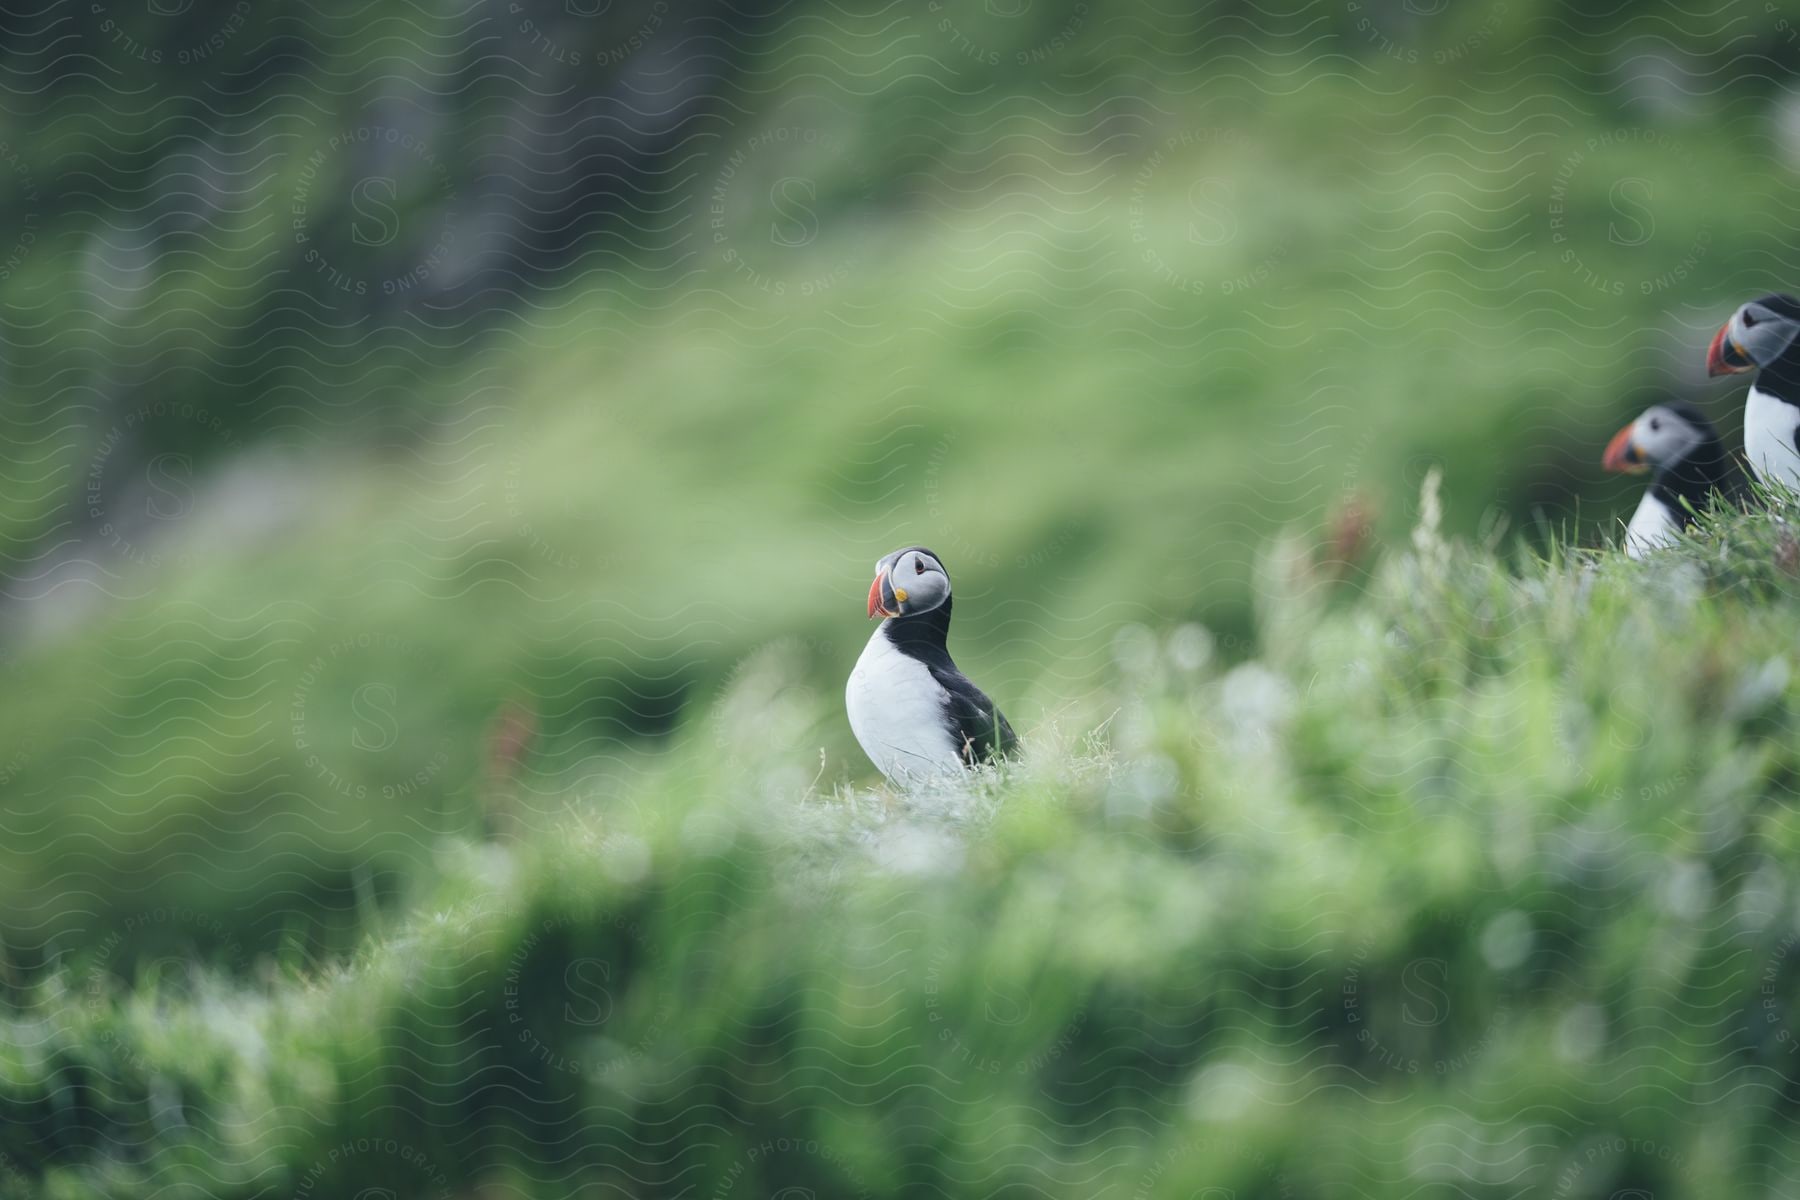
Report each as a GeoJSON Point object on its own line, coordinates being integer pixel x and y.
{"type": "Point", "coordinates": [1473, 882]}
{"type": "Point", "coordinates": [1433, 875]}
{"type": "Point", "coordinates": [611, 501]}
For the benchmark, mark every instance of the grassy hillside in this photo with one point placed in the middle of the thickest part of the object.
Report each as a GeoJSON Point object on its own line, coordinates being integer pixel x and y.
{"type": "Point", "coordinates": [1039, 364]}
{"type": "Point", "coordinates": [1474, 882]}
{"type": "Point", "coordinates": [444, 451]}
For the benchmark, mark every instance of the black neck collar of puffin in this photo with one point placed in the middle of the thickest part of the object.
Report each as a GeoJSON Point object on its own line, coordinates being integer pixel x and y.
{"type": "Point", "coordinates": [1781, 378]}
{"type": "Point", "coordinates": [1707, 469]}
{"type": "Point", "coordinates": [921, 635]}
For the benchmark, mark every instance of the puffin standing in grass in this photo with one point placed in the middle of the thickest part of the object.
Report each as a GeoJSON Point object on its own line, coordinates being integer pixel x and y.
{"type": "Point", "coordinates": [1690, 464]}
{"type": "Point", "coordinates": [914, 713]}
{"type": "Point", "coordinates": [1760, 337]}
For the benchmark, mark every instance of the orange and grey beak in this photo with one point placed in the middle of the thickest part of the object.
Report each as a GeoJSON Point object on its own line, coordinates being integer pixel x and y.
{"type": "Point", "coordinates": [884, 599]}
{"type": "Point", "coordinates": [1622, 454]}
{"type": "Point", "coordinates": [1725, 356]}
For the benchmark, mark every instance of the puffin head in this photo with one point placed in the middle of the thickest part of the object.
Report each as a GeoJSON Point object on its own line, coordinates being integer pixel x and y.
{"type": "Point", "coordinates": [1757, 334]}
{"type": "Point", "coordinates": [1664, 434]}
{"type": "Point", "coordinates": [908, 582]}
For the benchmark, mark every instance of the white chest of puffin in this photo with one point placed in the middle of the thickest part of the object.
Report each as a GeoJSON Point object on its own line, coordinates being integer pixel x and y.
{"type": "Point", "coordinates": [1690, 464]}
{"type": "Point", "coordinates": [916, 716]}
{"type": "Point", "coordinates": [1771, 426]}
{"type": "Point", "coordinates": [1761, 337]}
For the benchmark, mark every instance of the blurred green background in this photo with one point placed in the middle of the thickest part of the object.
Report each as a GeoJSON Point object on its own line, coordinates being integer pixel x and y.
{"type": "Point", "coordinates": [420, 417]}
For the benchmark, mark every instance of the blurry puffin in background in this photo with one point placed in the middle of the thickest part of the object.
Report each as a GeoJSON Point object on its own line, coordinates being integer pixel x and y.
{"type": "Point", "coordinates": [914, 713]}
{"type": "Point", "coordinates": [1676, 442]}
{"type": "Point", "coordinates": [1760, 337]}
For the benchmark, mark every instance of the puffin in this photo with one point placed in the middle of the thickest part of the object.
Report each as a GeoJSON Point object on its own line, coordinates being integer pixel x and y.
{"type": "Point", "coordinates": [916, 716]}
{"type": "Point", "coordinates": [1760, 337]}
{"type": "Point", "coordinates": [1676, 442]}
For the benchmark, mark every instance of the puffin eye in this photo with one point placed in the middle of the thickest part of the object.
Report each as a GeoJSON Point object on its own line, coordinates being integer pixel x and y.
{"type": "Point", "coordinates": [918, 566]}
{"type": "Point", "coordinates": [1749, 319]}
{"type": "Point", "coordinates": [1655, 424]}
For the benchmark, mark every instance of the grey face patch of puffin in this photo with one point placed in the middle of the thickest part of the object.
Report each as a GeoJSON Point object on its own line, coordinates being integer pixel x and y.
{"type": "Point", "coordinates": [1663, 435]}
{"type": "Point", "coordinates": [913, 581]}
{"type": "Point", "coordinates": [1764, 330]}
